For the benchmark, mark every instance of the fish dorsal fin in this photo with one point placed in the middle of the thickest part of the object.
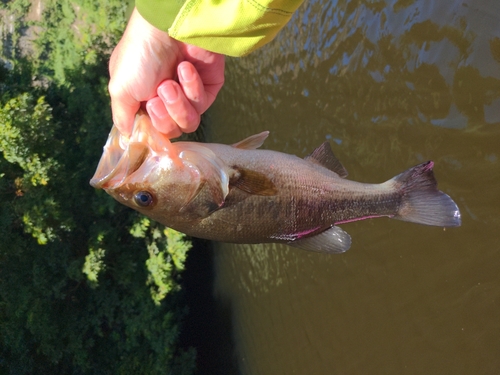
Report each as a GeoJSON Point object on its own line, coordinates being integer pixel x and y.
{"type": "Point", "coordinates": [252, 182]}
{"type": "Point", "coordinates": [252, 142]}
{"type": "Point", "coordinates": [333, 240]}
{"type": "Point", "coordinates": [324, 156]}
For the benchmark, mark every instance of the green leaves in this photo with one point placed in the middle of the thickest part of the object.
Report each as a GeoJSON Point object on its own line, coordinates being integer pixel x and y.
{"type": "Point", "coordinates": [167, 253]}
{"type": "Point", "coordinates": [167, 250]}
{"type": "Point", "coordinates": [27, 130]}
{"type": "Point", "coordinates": [86, 285]}
{"type": "Point", "coordinates": [70, 32]}
{"type": "Point", "coordinates": [25, 140]}
{"type": "Point", "coordinates": [94, 262]}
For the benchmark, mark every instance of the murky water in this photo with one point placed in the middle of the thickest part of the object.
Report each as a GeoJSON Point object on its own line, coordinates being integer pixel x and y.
{"type": "Point", "coordinates": [390, 84]}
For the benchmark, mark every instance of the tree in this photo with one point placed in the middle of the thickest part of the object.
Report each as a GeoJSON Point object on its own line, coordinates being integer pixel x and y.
{"type": "Point", "coordinates": [87, 286]}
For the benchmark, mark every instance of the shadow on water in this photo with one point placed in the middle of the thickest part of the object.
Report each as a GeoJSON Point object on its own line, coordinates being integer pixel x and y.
{"type": "Point", "coordinates": [207, 327]}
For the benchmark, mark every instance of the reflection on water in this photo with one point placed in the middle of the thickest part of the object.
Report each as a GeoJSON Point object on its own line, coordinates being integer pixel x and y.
{"type": "Point", "coordinates": [390, 84]}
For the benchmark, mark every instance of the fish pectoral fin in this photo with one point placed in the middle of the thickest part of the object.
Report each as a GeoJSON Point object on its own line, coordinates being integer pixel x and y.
{"type": "Point", "coordinates": [207, 199]}
{"type": "Point", "coordinates": [333, 241]}
{"type": "Point", "coordinates": [252, 182]}
{"type": "Point", "coordinates": [252, 142]}
{"type": "Point", "coordinates": [324, 156]}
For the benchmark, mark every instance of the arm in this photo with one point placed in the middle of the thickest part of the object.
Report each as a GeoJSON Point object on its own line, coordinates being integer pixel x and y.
{"type": "Point", "coordinates": [229, 27]}
{"type": "Point", "coordinates": [143, 68]}
{"type": "Point", "coordinates": [175, 63]}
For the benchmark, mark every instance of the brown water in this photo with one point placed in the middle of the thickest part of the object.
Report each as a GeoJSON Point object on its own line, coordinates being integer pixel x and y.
{"type": "Point", "coordinates": [390, 84]}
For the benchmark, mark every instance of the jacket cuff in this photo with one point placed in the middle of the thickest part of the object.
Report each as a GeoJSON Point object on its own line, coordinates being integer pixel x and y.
{"type": "Point", "coordinates": [159, 13]}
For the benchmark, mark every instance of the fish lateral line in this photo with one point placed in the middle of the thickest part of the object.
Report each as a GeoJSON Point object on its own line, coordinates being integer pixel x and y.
{"type": "Point", "coordinates": [362, 218]}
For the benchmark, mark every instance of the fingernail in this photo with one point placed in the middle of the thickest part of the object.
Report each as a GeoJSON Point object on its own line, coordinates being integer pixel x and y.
{"type": "Point", "coordinates": [158, 109]}
{"type": "Point", "coordinates": [169, 92]}
{"type": "Point", "coordinates": [186, 73]}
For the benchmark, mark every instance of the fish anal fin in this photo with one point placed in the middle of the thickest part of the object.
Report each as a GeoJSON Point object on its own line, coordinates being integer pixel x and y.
{"type": "Point", "coordinates": [324, 156]}
{"type": "Point", "coordinates": [334, 240]}
{"type": "Point", "coordinates": [252, 182]}
{"type": "Point", "coordinates": [253, 142]}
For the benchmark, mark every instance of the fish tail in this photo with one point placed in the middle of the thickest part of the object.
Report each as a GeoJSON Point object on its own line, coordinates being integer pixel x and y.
{"type": "Point", "coordinates": [422, 202]}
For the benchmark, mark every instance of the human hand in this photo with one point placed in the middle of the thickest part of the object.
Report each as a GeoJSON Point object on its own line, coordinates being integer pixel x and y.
{"type": "Point", "coordinates": [143, 68]}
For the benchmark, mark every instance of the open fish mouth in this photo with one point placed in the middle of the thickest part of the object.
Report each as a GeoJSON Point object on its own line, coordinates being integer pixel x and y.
{"type": "Point", "coordinates": [122, 156]}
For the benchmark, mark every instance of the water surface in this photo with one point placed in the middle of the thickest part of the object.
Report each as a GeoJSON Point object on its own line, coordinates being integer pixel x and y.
{"type": "Point", "coordinates": [390, 84]}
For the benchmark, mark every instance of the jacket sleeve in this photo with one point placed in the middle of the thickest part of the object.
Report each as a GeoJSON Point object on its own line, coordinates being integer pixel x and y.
{"type": "Point", "coordinates": [229, 27]}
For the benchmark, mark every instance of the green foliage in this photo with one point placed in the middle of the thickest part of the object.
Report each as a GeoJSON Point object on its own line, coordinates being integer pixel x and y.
{"type": "Point", "coordinates": [167, 253]}
{"type": "Point", "coordinates": [94, 263]}
{"type": "Point", "coordinates": [15, 11]}
{"type": "Point", "coordinates": [27, 127]}
{"type": "Point", "coordinates": [70, 31]}
{"type": "Point", "coordinates": [87, 286]}
{"type": "Point", "coordinates": [27, 133]}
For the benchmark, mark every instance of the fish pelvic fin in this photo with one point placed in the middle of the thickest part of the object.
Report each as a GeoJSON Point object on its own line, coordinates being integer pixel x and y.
{"type": "Point", "coordinates": [331, 241]}
{"type": "Point", "coordinates": [422, 202]}
{"type": "Point", "coordinates": [324, 156]}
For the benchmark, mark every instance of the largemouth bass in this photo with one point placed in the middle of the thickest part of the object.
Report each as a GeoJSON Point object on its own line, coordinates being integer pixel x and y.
{"type": "Point", "coordinates": [237, 193]}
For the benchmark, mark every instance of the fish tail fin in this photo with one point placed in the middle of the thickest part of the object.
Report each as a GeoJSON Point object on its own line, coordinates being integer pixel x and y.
{"type": "Point", "coordinates": [422, 201]}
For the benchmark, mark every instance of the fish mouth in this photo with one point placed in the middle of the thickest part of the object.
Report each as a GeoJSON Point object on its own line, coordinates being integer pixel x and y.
{"type": "Point", "coordinates": [122, 155]}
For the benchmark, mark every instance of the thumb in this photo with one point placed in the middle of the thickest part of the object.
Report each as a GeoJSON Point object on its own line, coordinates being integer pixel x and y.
{"type": "Point", "coordinates": [124, 109]}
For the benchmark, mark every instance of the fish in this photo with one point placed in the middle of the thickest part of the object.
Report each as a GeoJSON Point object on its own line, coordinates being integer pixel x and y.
{"type": "Point", "coordinates": [242, 194]}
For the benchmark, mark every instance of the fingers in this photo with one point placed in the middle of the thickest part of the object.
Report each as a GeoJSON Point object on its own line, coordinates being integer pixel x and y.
{"type": "Point", "coordinates": [211, 71]}
{"type": "Point", "coordinates": [123, 104]}
{"type": "Point", "coordinates": [124, 108]}
{"type": "Point", "coordinates": [183, 102]}
{"type": "Point", "coordinates": [144, 58]}
{"type": "Point", "coordinates": [161, 118]}
{"type": "Point", "coordinates": [192, 86]}
{"type": "Point", "coordinates": [178, 107]}
{"type": "Point", "coordinates": [171, 111]}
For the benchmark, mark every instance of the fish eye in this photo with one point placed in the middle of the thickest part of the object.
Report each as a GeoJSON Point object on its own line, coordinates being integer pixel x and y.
{"type": "Point", "coordinates": [143, 198]}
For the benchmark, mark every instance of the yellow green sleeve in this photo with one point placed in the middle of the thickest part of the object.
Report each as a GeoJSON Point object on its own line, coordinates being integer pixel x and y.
{"type": "Point", "coordinates": [159, 13]}
{"type": "Point", "coordinates": [230, 27]}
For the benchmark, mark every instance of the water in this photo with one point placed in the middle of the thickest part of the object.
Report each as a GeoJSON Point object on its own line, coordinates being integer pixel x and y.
{"type": "Point", "coordinates": [389, 84]}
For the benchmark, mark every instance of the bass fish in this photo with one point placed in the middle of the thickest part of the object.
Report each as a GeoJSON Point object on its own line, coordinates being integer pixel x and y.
{"type": "Point", "coordinates": [237, 193]}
